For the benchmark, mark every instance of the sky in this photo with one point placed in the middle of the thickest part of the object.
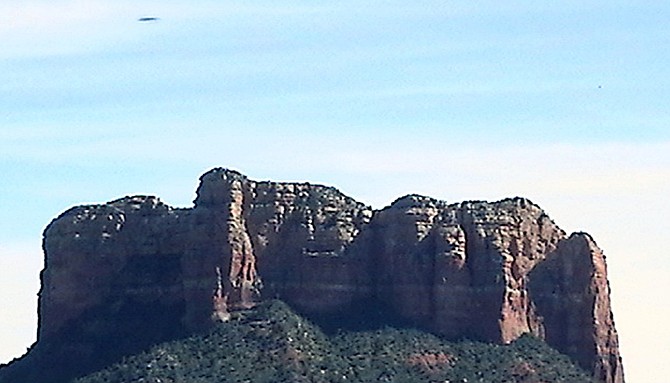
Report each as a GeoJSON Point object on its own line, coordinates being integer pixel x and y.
{"type": "Point", "coordinates": [565, 103]}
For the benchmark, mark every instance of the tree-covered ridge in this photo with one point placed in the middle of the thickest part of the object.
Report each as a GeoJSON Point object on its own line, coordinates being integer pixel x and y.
{"type": "Point", "coordinates": [273, 344]}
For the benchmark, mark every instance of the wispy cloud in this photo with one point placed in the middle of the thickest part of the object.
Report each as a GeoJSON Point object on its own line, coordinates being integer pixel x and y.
{"type": "Point", "coordinates": [37, 28]}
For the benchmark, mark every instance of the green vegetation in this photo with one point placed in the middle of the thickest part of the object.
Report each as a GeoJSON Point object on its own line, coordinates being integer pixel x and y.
{"type": "Point", "coordinates": [273, 344]}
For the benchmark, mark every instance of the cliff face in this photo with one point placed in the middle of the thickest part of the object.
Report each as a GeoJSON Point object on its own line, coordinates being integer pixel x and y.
{"type": "Point", "coordinates": [571, 291]}
{"type": "Point", "coordinates": [491, 271]}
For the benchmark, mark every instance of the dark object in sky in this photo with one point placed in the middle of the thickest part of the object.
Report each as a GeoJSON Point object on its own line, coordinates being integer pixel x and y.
{"type": "Point", "coordinates": [145, 19]}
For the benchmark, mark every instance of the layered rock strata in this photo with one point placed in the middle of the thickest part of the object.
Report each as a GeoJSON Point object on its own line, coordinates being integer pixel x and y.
{"type": "Point", "coordinates": [490, 271]}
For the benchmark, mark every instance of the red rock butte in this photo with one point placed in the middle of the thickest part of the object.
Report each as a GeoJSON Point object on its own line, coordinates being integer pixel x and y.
{"type": "Point", "coordinates": [485, 270]}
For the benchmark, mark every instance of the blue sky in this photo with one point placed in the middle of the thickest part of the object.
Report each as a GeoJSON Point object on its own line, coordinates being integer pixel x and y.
{"type": "Point", "coordinates": [562, 102]}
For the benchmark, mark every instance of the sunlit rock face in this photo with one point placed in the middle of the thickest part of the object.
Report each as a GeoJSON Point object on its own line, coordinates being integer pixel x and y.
{"type": "Point", "coordinates": [493, 271]}
{"type": "Point", "coordinates": [462, 269]}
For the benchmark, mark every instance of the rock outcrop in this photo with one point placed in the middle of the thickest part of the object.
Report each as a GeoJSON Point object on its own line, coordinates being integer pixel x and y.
{"type": "Point", "coordinates": [489, 271]}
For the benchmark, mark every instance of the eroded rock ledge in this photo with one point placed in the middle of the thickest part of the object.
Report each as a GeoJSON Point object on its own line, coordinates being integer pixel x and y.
{"type": "Point", "coordinates": [487, 270]}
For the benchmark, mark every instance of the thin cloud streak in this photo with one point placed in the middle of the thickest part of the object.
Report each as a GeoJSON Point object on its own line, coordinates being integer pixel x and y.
{"type": "Point", "coordinates": [68, 27]}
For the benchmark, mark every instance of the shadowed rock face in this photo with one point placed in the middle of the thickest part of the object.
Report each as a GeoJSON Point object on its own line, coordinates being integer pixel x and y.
{"type": "Point", "coordinates": [490, 271]}
{"type": "Point", "coordinates": [571, 290]}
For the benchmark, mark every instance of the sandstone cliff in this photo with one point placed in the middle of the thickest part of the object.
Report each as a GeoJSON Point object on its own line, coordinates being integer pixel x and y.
{"type": "Point", "coordinates": [137, 268]}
